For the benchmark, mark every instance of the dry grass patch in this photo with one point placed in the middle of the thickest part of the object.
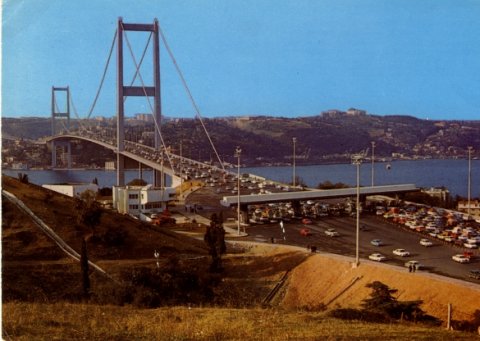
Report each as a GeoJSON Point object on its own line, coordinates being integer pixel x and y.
{"type": "Point", "coordinates": [23, 321]}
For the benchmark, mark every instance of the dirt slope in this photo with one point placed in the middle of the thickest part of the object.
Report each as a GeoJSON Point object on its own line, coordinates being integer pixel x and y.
{"type": "Point", "coordinates": [332, 281]}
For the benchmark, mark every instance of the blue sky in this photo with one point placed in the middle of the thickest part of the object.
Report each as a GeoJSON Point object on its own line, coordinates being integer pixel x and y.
{"type": "Point", "coordinates": [261, 57]}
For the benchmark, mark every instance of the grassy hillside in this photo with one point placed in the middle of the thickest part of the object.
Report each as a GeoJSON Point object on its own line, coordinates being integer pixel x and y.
{"type": "Point", "coordinates": [42, 291]}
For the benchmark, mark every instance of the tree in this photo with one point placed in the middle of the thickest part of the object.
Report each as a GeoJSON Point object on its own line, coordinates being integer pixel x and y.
{"type": "Point", "coordinates": [85, 270]}
{"type": "Point", "coordinates": [89, 212]}
{"type": "Point", "coordinates": [137, 182]}
{"type": "Point", "coordinates": [382, 301]}
{"type": "Point", "coordinates": [23, 177]}
{"type": "Point", "coordinates": [215, 240]}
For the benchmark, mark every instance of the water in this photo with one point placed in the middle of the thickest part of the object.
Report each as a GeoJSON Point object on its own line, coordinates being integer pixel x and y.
{"type": "Point", "coordinates": [452, 174]}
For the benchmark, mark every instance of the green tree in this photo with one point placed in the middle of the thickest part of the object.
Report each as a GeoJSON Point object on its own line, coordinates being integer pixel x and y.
{"type": "Point", "coordinates": [382, 301]}
{"type": "Point", "coordinates": [137, 182]}
{"type": "Point", "coordinates": [89, 212]}
{"type": "Point", "coordinates": [215, 240]}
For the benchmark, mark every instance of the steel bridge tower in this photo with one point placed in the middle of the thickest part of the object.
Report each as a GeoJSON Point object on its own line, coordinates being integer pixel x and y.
{"type": "Point", "coordinates": [125, 91]}
{"type": "Point", "coordinates": [57, 113]}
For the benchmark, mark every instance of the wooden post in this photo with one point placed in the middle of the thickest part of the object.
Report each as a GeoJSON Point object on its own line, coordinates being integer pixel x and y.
{"type": "Point", "coordinates": [449, 317]}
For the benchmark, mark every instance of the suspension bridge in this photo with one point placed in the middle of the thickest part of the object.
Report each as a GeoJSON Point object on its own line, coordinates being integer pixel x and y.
{"type": "Point", "coordinates": [159, 157]}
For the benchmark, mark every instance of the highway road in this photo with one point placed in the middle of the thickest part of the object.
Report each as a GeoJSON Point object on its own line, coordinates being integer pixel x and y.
{"type": "Point", "coordinates": [436, 259]}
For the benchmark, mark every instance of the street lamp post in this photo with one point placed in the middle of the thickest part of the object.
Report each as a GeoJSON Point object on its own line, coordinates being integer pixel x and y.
{"type": "Point", "coordinates": [373, 162]}
{"type": "Point", "coordinates": [294, 140]}
{"type": "Point", "coordinates": [238, 151]}
{"type": "Point", "coordinates": [357, 160]}
{"type": "Point", "coordinates": [469, 179]}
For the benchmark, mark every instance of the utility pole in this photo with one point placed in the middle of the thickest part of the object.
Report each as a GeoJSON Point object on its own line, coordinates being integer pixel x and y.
{"type": "Point", "coordinates": [357, 161]}
{"type": "Point", "coordinates": [373, 162]}
{"type": "Point", "coordinates": [294, 140]}
{"type": "Point", "coordinates": [238, 152]}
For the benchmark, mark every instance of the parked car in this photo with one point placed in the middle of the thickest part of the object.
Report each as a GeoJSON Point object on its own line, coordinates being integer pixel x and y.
{"type": "Point", "coordinates": [461, 258]}
{"type": "Point", "coordinates": [305, 232]}
{"type": "Point", "coordinates": [425, 242]}
{"type": "Point", "coordinates": [401, 252]}
{"type": "Point", "coordinates": [470, 245]}
{"type": "Point", "coordinates": [332, 233]}
{"type": "Point", "coordinates": [474, 274]}
{"type": "Point", "coordinates": [306, 221]}
{"type": "Point", "coordinates": [377, 257]}
{"type": "Point", "coordinates": [376, 242]}
{"type": "Point", "coordinates": [414, 263]}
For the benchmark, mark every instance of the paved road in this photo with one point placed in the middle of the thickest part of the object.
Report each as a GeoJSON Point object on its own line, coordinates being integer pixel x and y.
{"type": "Point", "coordinates": [436, 259]}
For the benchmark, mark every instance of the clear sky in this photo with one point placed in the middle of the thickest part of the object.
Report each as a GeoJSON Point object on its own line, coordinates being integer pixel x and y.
{"type": "Point", "coordinates": [252, 57]}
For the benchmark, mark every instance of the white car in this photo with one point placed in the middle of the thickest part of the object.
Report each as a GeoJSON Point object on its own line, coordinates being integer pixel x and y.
{"type": "Point", "coordinates": [332, 233]}
{"type": "Point", "coordinates": [425, 242]}
{"type": "Point", "coordinates": [413, 263]}
{"type": "Point", "coordinates": [470, 245]}
{"type": "Point", "coordinates": [461, 258]}
{"type": "Point", "coordinates": [401, 252]}
{"type": "Point", "coordinates": [377, 257]}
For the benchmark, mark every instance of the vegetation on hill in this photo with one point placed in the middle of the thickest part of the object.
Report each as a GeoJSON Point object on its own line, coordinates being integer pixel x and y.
{"type": "Point", "coordinates": [268, 140]}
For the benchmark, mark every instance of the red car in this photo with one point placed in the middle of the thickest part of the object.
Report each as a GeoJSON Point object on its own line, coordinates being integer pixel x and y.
{"type": "Point", "coordinates": [305, 232]}
{"type": "Point", "coordinates": [306, 221]}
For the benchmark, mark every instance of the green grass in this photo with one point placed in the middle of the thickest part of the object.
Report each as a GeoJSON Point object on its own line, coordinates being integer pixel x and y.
{"type": "Point", "coordinates": [62, 321]}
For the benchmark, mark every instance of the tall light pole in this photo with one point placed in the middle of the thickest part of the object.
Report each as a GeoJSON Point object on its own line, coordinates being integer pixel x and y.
{"type": "Point", "coordinates": [469, 179]}
{"type": "Point", "coordinates": [373, 162]}
{"type": "Point", "coordinates": [238, 152]}
{"type": "Point", "coordinates": [357, 160]}
{"type": "Point", "coordinates": [294, 140]}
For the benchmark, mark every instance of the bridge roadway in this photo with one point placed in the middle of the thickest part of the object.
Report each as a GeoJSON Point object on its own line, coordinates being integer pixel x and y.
{"type": "Point", "coordinates": [171, 164]}
{"type": "Point", "coordinates": [255, 199]}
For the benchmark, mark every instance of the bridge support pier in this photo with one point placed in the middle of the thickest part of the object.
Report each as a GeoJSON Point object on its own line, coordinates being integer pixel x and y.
{"type": "Point", "coordinates": [120, 170]}
{"type": "Point", "coordinates": [61, 114]}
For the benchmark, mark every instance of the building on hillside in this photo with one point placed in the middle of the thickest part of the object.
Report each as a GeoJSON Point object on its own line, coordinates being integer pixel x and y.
{"type": "Point", "coordinates": [72, 190]}
{"type": "Point", "coordinates": [135, 200]}
{"type": "Point", "coordinates": [474, 207]}
{"type": "Point", "coordinates": [110, 165]}
{"type": "Point", "coordinates": [441, 193]}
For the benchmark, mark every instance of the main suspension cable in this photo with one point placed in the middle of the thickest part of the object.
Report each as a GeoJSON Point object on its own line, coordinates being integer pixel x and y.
{"type": "Point", "coordinates": [103, 76]}
{"type": "Point", "coordinates": [187, 89]}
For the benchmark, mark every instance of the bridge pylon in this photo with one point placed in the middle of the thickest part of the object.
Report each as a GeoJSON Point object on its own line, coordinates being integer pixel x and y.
{"type": "Point", "coordinates": [125, 91]}
{"type": "Point", "coordinates": [60, 114]}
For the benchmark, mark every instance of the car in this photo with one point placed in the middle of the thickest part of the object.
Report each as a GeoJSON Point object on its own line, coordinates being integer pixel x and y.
{"type": "Point", "coordinates": [413, 263]}
{"type": "Point", "coordinates": [305, 232]}
{"type": "Point", "coordinates": [470, 245]}
{"type": "Point", "coordinates": [332, 233]}
{"type": "Point", "coordinates": [377, 257]}
{"type": "Point", "coordinates": [376, 242]}
{"type": "Point", "coordinates": [474, 274]}
{"type": "Point", "coordinates": [401, 252]}
{"type": "Point", "coordinates": [306, 221]}
{"type": "Point", "coordinates": [425, 242]}
{"type": "Point", "coordinates": [461, 258]}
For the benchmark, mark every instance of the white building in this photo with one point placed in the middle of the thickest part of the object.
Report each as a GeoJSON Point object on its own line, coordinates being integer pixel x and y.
{"type": "Point", "coordinates": [141, 199]}
{"type": "Point", "coordinates": [72, 190]}
{"type": "Point", "coordinates": [474, 207]}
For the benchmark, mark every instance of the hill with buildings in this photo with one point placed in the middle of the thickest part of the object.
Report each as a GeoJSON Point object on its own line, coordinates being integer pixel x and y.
{"type": "Point", "coordinates": [329, 137]}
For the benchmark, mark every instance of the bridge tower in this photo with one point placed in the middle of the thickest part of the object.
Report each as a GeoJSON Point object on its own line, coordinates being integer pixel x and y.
{"type": "Point", "coordinates": [124, 91]}
{"type": "Point", "coordinates": [57, 113]}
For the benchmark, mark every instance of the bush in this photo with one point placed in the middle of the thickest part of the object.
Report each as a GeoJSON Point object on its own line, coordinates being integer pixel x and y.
{"type": "Point", "coordinates": [360, 315]}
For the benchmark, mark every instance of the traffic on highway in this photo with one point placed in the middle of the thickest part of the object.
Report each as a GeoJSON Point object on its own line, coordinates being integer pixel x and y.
{"type": "Point", "coordinates": [381, 237]}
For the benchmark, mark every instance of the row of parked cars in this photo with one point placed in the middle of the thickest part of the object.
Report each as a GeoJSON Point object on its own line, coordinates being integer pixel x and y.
{"type": "Point", "coordinates": [445, 225]}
